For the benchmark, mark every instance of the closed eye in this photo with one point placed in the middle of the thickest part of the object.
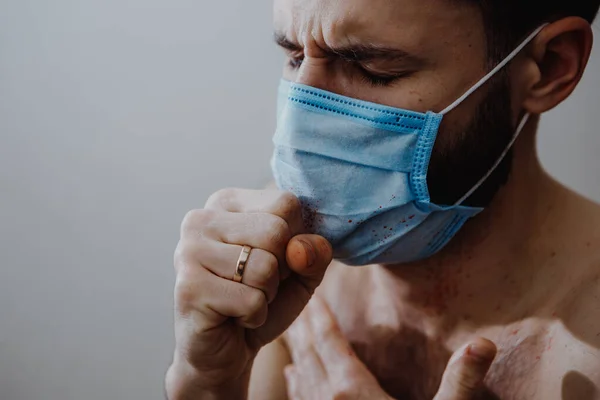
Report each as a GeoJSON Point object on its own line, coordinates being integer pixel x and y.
{"type": "Point", "coordinates": [295, 62]}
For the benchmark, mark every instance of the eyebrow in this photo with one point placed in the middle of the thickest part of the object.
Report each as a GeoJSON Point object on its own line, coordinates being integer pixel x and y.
{"type": "Point", "coordinates": [355, 52]}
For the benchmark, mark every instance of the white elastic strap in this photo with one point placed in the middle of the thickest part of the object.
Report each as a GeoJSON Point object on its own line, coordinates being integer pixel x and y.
{"type": "Point", "coordinates": [502, 157]}
{"type": "Point", "coordinates": [493, 72]}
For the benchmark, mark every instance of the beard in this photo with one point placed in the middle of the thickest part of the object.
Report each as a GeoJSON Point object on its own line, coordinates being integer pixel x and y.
{"type": "Point", "coordinates": [460, 159]}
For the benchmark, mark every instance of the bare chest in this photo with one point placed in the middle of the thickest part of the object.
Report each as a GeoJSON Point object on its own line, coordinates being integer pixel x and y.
{"type": "Point", "coordinates": [409, 365]}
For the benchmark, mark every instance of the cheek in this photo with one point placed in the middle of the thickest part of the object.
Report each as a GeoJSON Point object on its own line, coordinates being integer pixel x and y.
{"type": "Point", "coordinates": [428, 90]}
{"type": "Point", "coordinates": [458, 120]}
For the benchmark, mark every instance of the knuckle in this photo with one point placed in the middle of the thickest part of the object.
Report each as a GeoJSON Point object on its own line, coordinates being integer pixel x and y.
{"type": "Point", "coordinates": [266, 269]}
{"type": "Point", "coordinates": [279, 232]}
{"type": "Point", "coordinates": [195, 220]}
{"type": "Point", "coordinates": [190, 253]}
{"type": "Point", "coordinates": [255, 301]}
{"type": "Point", "coordinates": [221, 198]}
{"type": "Point", "coordinates": [255, 312]}
{"type": "Point", "coordinates": [186, 293]}
{"type": "Point", "coordinates": [288, 205]}
{"type": "Point", "coordinates": [468, 382]}
{"type": "Point", "coordinates": [463, 377]}
{"type": "Point", "coordinates": [180, 254]}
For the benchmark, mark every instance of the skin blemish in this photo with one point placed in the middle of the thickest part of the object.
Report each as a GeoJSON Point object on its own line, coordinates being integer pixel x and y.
{"type": "Point", "coordinates": [538, 358]}
{"type": "Point", "coordinates": [553, 254]}
{"type": "Point", "coordinates": [515, 332]}
{"type": "Point", "coordinates": [349, 221]}
{"type": "Point", "coordinates": [412, 216]}
{"type": "Point", "coordinates": [385, 227]}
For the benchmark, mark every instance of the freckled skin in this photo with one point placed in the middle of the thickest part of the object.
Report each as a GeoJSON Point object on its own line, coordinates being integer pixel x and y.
{"type": "Point", "coordinates": [523, 274]}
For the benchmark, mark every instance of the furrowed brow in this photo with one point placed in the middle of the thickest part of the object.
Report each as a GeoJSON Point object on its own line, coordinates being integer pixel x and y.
{"type": "Point", "coordinates": [366, 53]}
{"type": "Point", "coordinates": [356, 52]}
{"type": "Point", "coordinates": [282, 41]}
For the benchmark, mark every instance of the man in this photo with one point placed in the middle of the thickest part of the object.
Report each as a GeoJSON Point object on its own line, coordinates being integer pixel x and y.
{"type": "Point", "coordinates": [369, 177]}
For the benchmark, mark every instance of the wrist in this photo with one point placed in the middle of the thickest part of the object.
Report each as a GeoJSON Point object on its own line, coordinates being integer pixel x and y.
{"type": "Point", "coordinates": [183, 382]}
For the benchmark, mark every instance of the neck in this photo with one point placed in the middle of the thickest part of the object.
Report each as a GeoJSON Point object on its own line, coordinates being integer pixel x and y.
{"type": "Point", "coordinates": [485, 275]}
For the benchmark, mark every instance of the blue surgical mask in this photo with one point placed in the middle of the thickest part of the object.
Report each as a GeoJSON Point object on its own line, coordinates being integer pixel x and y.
{"type": "Point", "coordinates": [360, 172]}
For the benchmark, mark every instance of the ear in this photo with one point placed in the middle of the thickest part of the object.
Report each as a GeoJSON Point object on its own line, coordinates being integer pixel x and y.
{"type": "Point", "coordinates": [560, 54]}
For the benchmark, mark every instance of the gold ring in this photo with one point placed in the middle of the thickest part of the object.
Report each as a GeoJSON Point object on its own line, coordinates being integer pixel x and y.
{"type": "Point", "coordinates": [241, 264]}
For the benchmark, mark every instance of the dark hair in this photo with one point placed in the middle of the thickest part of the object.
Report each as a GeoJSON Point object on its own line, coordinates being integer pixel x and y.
{"type": "Point", "coordinates": [507, 22]}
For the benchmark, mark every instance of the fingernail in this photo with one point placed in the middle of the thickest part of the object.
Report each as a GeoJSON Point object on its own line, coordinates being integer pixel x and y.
{"type": "Point", "coordinates": [311, 256]}
{"type": "Point", "coordinates": [479, 353]}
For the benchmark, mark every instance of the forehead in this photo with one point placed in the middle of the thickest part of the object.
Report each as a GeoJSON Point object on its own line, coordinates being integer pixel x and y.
{"type": "Point", "coordinates": [416, 24]}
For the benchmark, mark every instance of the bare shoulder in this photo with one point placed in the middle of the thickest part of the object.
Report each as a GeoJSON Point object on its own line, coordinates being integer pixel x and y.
{"type": "Point", "coordinates": [581, 304]}
{"type": "Point", "coordinates": [576, 346]}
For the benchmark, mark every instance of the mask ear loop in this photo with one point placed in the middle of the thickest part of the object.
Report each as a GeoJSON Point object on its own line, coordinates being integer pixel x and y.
{"type": "Point", "coordinates": [479, 84]}
{"type": "Point", "coordinates": [522, 124]}
{"type": "Point", "coordinates": [493, 72]}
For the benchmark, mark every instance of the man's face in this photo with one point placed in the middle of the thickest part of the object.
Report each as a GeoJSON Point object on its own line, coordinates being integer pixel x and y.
{"type": "Point", "coordinates": [419, 55]}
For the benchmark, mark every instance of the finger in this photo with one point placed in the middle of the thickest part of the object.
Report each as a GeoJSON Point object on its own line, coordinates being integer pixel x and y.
{"type": "Point", "coordinates": [303, 352]}
{"type": "Point", "coordinates": [277, 202]}
{"type": "Point", "coordinates": [333, 349]}
{"type": "Point", "coordinates": [262, 267]}
{"type": "Point", "coordinates": [198, 290]}
{"type": "Point", "coordinates": [467, 370]}
{"type": "Point", "coordinates": [293, 384]}
{"type": "Point", "coordinates": [308, 257]}
{"type": "Point", "coordinates": [264, 231]}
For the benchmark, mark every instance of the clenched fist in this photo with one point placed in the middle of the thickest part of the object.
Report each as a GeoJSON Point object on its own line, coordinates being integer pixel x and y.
{"type": "Point", "coordinates": [221, 323]}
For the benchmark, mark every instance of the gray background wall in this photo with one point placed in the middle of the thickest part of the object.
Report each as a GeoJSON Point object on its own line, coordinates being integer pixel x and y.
{"type": "Point", "coordinates": [116, 117]}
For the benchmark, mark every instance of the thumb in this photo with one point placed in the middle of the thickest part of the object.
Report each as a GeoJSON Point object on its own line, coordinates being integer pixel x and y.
{"type": "Point", "coordinates": [308, 256]}
{"type": "Point", "coordinates": [467, 370]}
